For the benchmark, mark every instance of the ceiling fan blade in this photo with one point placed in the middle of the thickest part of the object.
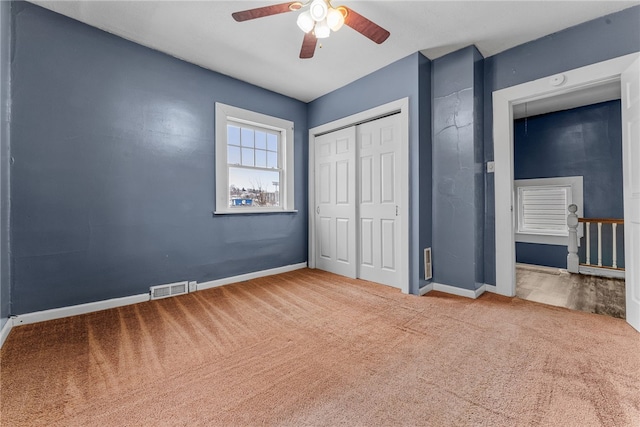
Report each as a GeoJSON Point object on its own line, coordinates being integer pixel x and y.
{"type": "Point", "coordinates": [365, 27]}
{"type": "Point", "coordinates": [308, 45]}
{"type": "Point", "coordinates": [261, 12]}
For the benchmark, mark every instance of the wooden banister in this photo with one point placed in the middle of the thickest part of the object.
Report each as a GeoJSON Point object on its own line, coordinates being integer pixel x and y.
{"type": "Point", "coordinates": [572, 223]}
{"type": "Point", "coordinates": [602, 220]}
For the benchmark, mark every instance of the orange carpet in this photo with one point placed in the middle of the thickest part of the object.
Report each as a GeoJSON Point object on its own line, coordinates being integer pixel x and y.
{"type": "Point", "coordinates": [309, 348]}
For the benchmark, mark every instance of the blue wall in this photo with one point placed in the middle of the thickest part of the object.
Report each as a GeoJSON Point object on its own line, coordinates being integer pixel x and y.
{"type": "Point", "coordinates": [538, 254]}
{"type": "Point", "coordinates": [594, 41]}
{"type": "Point", "coordinates": [407, 77]}
{"type": "Point", "coordinates": [425, 164]}
{"type": "Point", "coordinates": [585, 141]}
{"type": "Point", "coordinates": [113, 181]}
{"type": "Point", "coordinates": [458, 180]}
{"type": "Point", "coordinates": [5, 100]}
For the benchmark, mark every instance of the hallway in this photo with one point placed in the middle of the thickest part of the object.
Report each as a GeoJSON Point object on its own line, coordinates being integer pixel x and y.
{"type": "Point", "coordinates": [553, 286]}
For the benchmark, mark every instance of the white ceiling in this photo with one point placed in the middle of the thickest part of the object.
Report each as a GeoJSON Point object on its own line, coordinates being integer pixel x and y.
{"type": "Point", "coordinates": [265, 51]}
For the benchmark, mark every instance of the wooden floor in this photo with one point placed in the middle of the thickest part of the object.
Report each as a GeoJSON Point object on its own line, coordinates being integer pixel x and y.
{"type": "Point", "coordinates": [557, 287]}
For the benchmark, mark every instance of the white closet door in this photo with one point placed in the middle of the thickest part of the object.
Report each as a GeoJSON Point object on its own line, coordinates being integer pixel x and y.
{"type": "Point", "coordinates": [630, 81]}
{"type": "Point", "coordinates": [335, 192]}
{"type": "Point", "coordinates": [379, 230]}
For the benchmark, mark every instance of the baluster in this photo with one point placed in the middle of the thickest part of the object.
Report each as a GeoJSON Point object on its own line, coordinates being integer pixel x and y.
{"type": "Point", "coordinates": [572, 247]}
{"type": "Point", "coordinates": [588, 227]}
{"type": "Point", "coordinates": [614, 263]}
{"type": "Point", "coordinates": [599, 244]}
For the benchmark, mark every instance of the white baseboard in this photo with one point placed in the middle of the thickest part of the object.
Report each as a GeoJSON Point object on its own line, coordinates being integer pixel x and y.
{"type": "Point", "coordinates": [249, 276]}
{"type": "Point", "coordinates": [58, 313]}
{"type": "Point", "coordinates": [539, 268]}
{"type": "Point", "coordinates": [425, 289]}
{"type": "Point", "coordinates": [602, 272]}
{"type": "Point", "coordinates": [453, 290]}
{"type": "Point", "coordinates": [490, 288]}
{"type": "Point", "coordinates": [4, 333]}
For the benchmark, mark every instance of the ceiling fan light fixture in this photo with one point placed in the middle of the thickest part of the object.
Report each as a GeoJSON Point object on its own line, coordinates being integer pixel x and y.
{"type": "Point", "coordinates": [305, 21]}
{"type": "Point", "coordinates": [318, 10]}
{"type": "Point", "coordinates": [317, 21]}
{"type": "Point", "coordinates": [322, 30]}
{"type": "Point", "coordinates": [335, 19]}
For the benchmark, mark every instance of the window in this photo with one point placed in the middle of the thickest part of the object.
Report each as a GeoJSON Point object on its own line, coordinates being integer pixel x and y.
{"type": "Point", "coordinates": [254, 162]}
{"type": "Point", "coordinates": [541, 215]}
{"type": "Point", "coordinates": [542, 209]}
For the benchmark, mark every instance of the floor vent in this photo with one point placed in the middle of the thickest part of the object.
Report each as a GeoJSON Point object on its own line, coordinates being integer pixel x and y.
{"type": "Point", "coordinates": [428, 269]}
{"type": "Point", "coordinates": [169, 290]}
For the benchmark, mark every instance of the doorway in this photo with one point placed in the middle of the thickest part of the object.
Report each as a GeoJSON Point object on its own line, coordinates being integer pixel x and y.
{"type": "Point", "coordinates": [623, 70]}
{"type": "Point", "coordinates": [562, 157]}
{"type": "Point", "coordinates": [359, 196]}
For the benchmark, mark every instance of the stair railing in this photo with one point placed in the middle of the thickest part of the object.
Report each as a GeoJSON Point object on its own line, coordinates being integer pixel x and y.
{"type": "Point", "coordinates": [573, 262]}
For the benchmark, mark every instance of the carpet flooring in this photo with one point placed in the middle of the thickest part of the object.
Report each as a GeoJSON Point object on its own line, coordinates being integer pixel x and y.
{"type": "Point", "coordinates": [309, 348]}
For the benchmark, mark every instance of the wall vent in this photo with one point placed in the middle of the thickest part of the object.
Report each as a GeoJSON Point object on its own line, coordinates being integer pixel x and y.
{"type": "Point", "coordinates": [428, 269]}
{"type": "Point", "coordinates": [169, 290]}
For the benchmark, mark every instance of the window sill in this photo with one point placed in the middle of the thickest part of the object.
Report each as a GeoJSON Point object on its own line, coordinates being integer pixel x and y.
{"type": "Point", "coordinates": [542, 239]}
{"type": "Point", "coordinates": [256, 211]}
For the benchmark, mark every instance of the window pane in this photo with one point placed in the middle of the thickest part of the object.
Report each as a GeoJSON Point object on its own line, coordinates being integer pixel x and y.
{"type": "Point", "coordinates": [255, 188]}
{"type": "Point", "coordinates": [233, 155]}
{"type": "Point", "coordinates": [261, 140]}
{"type": "Point", "coordinates": [261, 158]}
{"type": "Point", "coordinates": [272, 142]}
{"type": "Point", "coordinates": [247, 137]}
{"type": "Point", "coordinates": [272, 159]}
{"type": "Point", "coordinates": [233, 135]}
{"type": "Point", "coordinates": [247, 157]}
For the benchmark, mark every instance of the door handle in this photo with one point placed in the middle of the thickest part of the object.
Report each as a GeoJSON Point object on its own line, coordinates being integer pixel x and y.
{"type": "Point", "coordinates": [318, 210]}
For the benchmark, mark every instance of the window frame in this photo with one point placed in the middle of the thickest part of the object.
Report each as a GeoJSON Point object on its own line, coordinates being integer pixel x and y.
{"type": "Point", "coordinates": [575, 196]}
{"type": "Point", "coordinates": [227, 114]}
{"type": "Point", "coordinates": [523, 229]}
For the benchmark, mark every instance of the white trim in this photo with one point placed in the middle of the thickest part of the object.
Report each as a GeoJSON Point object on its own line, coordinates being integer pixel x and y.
{"type": "Point", "coordinates": [602, 272]}
{"type": "Point", "coordinates": [503, 102]}
{"type": "Point", "coordinates": [541, 268]}
{"type": "Point", "coordinates": [58, 313]}
{"type": "Point", "coordinates": [224, 114]}
{"type": "Point", "coordinates": [425, 289]}
{"type": "Point", "coordinates": [524, 192]}
{"type": "Point", "coordinates": [249, 276]}
{"type": "Point", "coordinates": [400, 106]}
{"type": "Point", "coordinates": [490, 288]}
{"type": "Point", "coordinates": [543, 239]}
{"type": "Point", "coordinates": [361, 117]}
{"type": "Point", "coordinates": [256, 210]}
{"type": "Point", "coordinates": [576, 196]}
{"type": "Point", "coordinates": [4, 333]}
{"type": "Point", "coordinates": [453, 290]}
{"type": "Point", "coordinates": [311, 197]}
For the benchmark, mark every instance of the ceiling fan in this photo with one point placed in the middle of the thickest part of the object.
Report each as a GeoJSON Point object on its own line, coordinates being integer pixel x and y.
{"type": "Point", "coordinates": [318, 21]}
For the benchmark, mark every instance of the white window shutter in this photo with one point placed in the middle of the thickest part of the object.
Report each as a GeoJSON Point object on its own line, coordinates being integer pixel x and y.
{"type": "Point", "coordinates": [543, 210]}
